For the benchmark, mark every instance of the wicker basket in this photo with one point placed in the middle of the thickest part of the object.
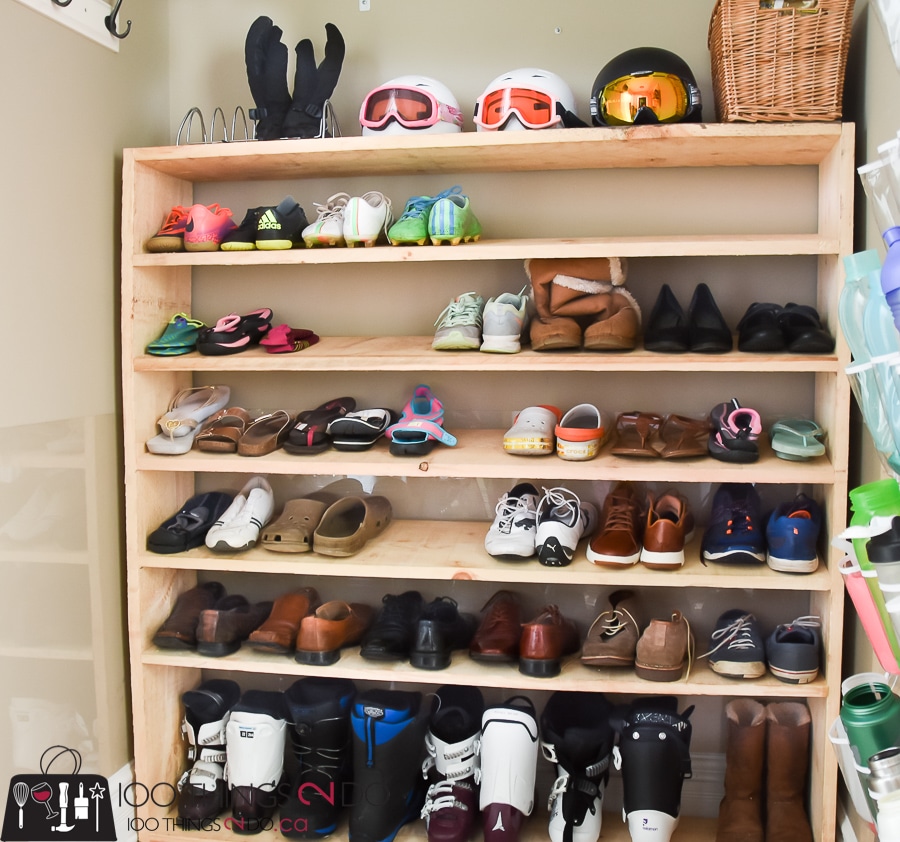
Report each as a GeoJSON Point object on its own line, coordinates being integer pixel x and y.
{"type": "Point", "coordinates": [779, 65]}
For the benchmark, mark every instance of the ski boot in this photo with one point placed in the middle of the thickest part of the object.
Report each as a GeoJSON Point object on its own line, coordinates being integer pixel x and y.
{"type": "Point", "coordinates": [509, 751]}
{"type": "Point", "coordinates": [654, 756]}
{"type": "Point", "coordinates": [577, 736]}
{"type": "Point", "coordinates": [453, 743]}
{"type": "Point", "coordinates": [319, 710]}
{"type": "Point", "coordinates": [388, 732]}
{"type": "Point", "coordinates": [255, 749]}
{"type": "Point", "coordinates": [202, 792]}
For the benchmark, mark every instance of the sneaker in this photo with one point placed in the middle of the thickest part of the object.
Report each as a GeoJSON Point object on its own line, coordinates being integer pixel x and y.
{"type": "Point", "coordinates": [412, 226]}
{"type": "Point", "coordinates": [206, 226]}
{"type": "Point", "coordinates": [533, 432]}
{"type": "Point", "coordinates": [459, 324]}
{"type": "Point", "coordinates": [240, 524]}
{"type": "Point", "coordinates": [735, 433]}
{"type": "Point", "coordinates": [366, 218]}
{"type": "Point", "coordinates": [505, 318]}
{"type": "Point", "coordinates": [243, 238]}
{"type": "Point", "coordinates": [170, 236]}
{"type": "Point", "coordinates": [792, 534]}
{"type": "Point", "coordinates": [281, 227]}
{"type": "Point", "coordinates": [580, 433]}
{"type": "Point", "coordinates": [451, 221]}
{"type": "Point", "coordinates": [793, 650]}
{"type": "Point", "coordinates": [613, 636]}
{"type": "Point", "coordinates": [736, 646]}
{"type": "Point", "coordinates": [670, 525]}
{"type": "Point", "coordinates": [328, 229]}
{"type": "Point", "coordinates": [734, 534]}
{"type": "Point", "coordinates": [664, 649]}
{"type": "Point", "coordinates": [619, 537]}
{"type": "Point", "coordinates": [511, 536]}
{"type": "Point", "coordinates": [562, 521]}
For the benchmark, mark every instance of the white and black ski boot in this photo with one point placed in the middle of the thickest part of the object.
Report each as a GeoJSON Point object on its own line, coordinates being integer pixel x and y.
{"type": "Point", "coordinates": [388, 728]}
{"type": "Point", "coordinates": [577, 736]}
{"type": "Point", "coordinates": [202, 792]}
{"type": "Point", "coordinates": [319, 717]}
{"type": "Point", "coordinates": [255, 740]}
{"type": "Point", "coordinates": [453, 743]}
{"type": "Point", "coordinates": [654, 756]}
{"type": "Point", "coordinates": [509, 752]}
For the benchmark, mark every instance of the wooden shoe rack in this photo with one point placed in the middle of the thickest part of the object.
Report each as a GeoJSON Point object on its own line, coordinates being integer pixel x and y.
{"type": "Point", "coordinates": [760, 213]}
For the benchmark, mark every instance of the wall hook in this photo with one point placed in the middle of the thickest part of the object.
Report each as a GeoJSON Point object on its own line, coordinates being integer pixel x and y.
{"type": "Point", "coordinates": [110, 21]}
{"type": "Point", "coordinates": [61, 2]}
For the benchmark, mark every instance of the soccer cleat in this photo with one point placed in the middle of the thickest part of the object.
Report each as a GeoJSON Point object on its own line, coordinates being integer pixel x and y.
{"type": "Point", "coordinates": [328, 229]}
{"type": "Point", "coordinates": [170, 236]}
{"type": "Point", "coordinates": [511, 536]}
{"type": "Point", "coordinates": [792, 533]}
{"type": "Point", "coordinates": [367, 218]}
{"type": "Point", "coordinates": [451, 221]}
{"type": "Point", "coordinates": [459, 324]}
{"type": "Point", "coordinates": [734, 534]}
{"type": "Point", "coordinates": [412, 226]}
{"type": "Point", "coordinates": [206, 226]}
{"type": "Point", "coordinates": [562, 521]}
{"type": "Point", "coordinates": [503, 321]}
{"type": "Point", "coordinates": [281, 227]}
{"type": "Point", "coordinates": [243, 238]}
{"type": "Point", "coordinates": [736, 646]}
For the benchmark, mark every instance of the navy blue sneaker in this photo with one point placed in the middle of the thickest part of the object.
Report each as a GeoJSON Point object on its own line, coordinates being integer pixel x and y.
{"type": "Point", "coordinates": [736, 646]}
{"type": "Point", "coordinates": [792, 650]}
{"type": "Point", "coordinates": [734, 534]}
{"type": "Point", "coordinates": [792, 534]}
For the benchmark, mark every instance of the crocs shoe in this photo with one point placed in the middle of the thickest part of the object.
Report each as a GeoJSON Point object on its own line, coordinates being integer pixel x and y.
{"type": "Point", "coordinates": [412, 226]}
{"type": "Point", "coordinates": [459, 324]}
{"type": "Point", "coordinates": [504, 320]}
{"type": "Point", "coordinates": [735, 432]}
{"type": "Point", "coordinates": [580, 433]}
{"type": "Point", "coordinates": [328, 229]}
{"type": "Point", "coordinates": [451, 221]}
{"type": "Point", "coordinates": [562, 521]}
{"type": "Point", "coordinates": [206, 226]}
{"type": "Point", "coordinates": [281, 227]}
{"type": "Point", "coordinates": [533, 433]}
{"type": "Point", "coordinates": [170, 236]}
{"type": "Point", "coordinates": [511, 536]}
{"type": "Point", "coordinates": [243, 238]}
{"type": "Point", "coordinates": [179, 337]}
{"type": "Point", "coordinates": [366, 218]}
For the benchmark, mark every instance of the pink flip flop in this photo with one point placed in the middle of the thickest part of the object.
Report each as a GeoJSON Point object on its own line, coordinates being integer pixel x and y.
{"type": "Point", "coordinates": [284, 339]}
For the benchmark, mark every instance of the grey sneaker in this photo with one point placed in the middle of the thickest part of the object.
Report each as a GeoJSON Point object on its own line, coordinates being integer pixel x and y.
{"type": "Point", "coordinates": [459, 324]}
{"type": "Point", "coordinates": [505, 318]}
{"type": "Point", "coordinates": [793, 650]}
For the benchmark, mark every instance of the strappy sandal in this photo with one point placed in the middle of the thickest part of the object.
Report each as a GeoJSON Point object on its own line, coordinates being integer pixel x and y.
{"type": "Point", "coordinates": [187, 411]}
{"type": "Point", "coordinates": [634, 433]}
{"type": "Point", "coordinates": [179, 337]}
{"type": "Point", "coordinates": [683, 437]}
{"type": "Point", "coordinates": [797, 439]}
{"type": "Point", "coordinates": [233, 333]}
{"type": "Point", "coordinates": [420, 426]}
{"type": "Point", "coordinates": [283, 339]}
{"type": "Point", "coordinates": [309, 435]}
{"type": "Point", "coordinates": [265, 435]}
{"type": "Point", "coordinates": [222, 432]}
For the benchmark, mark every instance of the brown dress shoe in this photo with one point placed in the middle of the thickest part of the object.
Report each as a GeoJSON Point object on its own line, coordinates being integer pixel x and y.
{"type": "Point", "coordinates": [179, 631]}
{"type": "Point", "coordinates": [278, 633]}
{"type": "Point", "coordinates": [334, 625]}
{"type": "Point", "coordinates": [222, 629]}
{"type": "Point", "coordinates": [664, 648]}
{"type": "Point", "coordinates": [613, 636]}
{"type": "Point", "coordinates": [618, 539]}
{"type": "Point", "coordinates": [670, 524]}
{"type": "Point", "coordinates": [544, 641]}
{"type": "Point", "coordinates": [497, 637]}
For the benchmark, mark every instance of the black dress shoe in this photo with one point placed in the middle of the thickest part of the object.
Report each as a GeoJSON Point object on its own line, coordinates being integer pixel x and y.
{"type": "Point", "coordinates": [759, 330]}
{"type": "Point", "coordinates": [708, 332]}
{"type": "Point", "coordinates": [187, 528]}
{"type": "Point", "coordinates": [803, 330]}
{"type": "Point", "coordinates": [391, 636]}
{"type": "Point", "coordinates": [667, 328]}
{"type": "Point", "coordinates": [440, 630]}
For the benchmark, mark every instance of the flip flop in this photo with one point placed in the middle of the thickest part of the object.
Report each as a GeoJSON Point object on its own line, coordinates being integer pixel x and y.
{"type": "Point", "coordinates": [179, 337]}
{"type": "Point", "coordinates": [309, 434]}
{"type": "Point", "coordinates": [797, 439]}
{"type": "Point", "coordinates": [188, 409]}
{"type": "Point", "coordinates": [265, 435]}
{"type": "Point", "coordinates": [283, 339]}
{"type": "Point", "coordinates": [360, 430]}
{"type": "Point", "coordinates": [222, 432]}
{"type": "Point", "coordinates": [233, 333]}
{"type": "Point", "coordinates": [420, 426]}
{"type": "Point", "coordinates": [634, 433]}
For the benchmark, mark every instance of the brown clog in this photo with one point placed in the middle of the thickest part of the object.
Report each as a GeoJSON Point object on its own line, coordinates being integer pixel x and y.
{"type": "Point", "coordinates": [179, 631]}
{"type": "Point", "coordinates": [292, 531]}
{"type": "Point", "coordinates": [684, 437]}
{"type": "Point", "coordinates": [278, 632]}
{"type": "Point", "coordinates": [635, 434]}
{"type": "Point", "coordinates": [333, 626]}
{"type": "Point", "coordinates": [223, 431]}
{"type": "Point", "coordinates": [266, 434]}
{"type": "Point", "coordinates": [349, 523]}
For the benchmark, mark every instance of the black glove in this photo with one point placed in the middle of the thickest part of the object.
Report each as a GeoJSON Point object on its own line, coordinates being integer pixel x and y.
{"type": "Point", "coordinates": [312, 85]}
{"type": "Point", "coordinates": [266, 59]}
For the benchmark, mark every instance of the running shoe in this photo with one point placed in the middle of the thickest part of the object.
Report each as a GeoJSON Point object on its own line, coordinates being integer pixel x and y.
{"type": "Point", "coordinates": [505, 319]}
{"type": "Point", "coordinates": [511, 536]}
{"type": "Point", "coordinates": [562, 521]}
{"type": "Point", "coordinates": [412, 226]}
{"type": "Point", "coordinates": [328, 229]}
{"type": "Point", "coordinates": [735, 534]}
{"type": "Point", "coordinates": [451, 221]}
{"type": "Point", "coordinates": [281, 227]}
{"type": "Point", "coordinates": [459, 324]}
{"type": "Point", "coordinates": [170, 236]}
{"type": "Point", "coordinates": [206, 226]}
{"type": "Point", "coordinates": [792, 534]}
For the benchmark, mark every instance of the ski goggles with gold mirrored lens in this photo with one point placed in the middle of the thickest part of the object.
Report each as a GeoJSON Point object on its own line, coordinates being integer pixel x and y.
{"type": "Point", "coordinates": [413, 108]}
{"type": "Point", "coordinates": [645, 98]}
{"type": "Point", "coordinates": [536, 109]}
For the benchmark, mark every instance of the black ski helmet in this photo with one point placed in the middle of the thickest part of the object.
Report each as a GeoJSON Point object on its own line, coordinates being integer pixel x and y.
{"type": "Point", "coordinates": [620, 93]}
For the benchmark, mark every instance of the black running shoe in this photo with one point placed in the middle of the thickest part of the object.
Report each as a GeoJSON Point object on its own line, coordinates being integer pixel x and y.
{"type": "Point", "coordinates": [281, 227]}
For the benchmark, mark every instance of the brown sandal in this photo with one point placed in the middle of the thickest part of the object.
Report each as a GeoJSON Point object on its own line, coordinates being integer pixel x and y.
{"type": "Point", "coordinates": [634, 431]}
{"type": "Point", "coordinates": [265, 434]}
{"type": "Point", "coordinates": [223, 431]}
{"type": "Point", "coordinates": [684, 437]}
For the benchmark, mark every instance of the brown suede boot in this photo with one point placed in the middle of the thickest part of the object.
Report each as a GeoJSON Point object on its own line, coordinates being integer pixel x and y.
{"type": "Point", "coordinates": [787, 749]}
{"type": "Point", "coordinates": [740, 812]}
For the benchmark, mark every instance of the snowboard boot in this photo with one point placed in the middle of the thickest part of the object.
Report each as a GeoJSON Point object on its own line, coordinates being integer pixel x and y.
{"type": "Point", "coordinates": [453, 744]}
{"type": "Point", "coordinates": [202, 792]}
{"type": "Point", "coordinates": [577, 736]}
{"type": "Point", "coordinates": [319, 711]}
{"type": "Point", "coordinates": [388, 733]}
{"type": "Point", "coordinates": [740, 813]}
{"type": "Point", "coordinates": [509, 750]}
{"type": "Point", "coordinates": [654, 756]}
{"type": "Point", "coordinates": [255, 739]}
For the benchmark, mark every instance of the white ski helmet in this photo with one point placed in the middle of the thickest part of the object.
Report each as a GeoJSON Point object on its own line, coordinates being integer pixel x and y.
{"type": "Point", "coordinates": [410, 105]}
{"type": "Point", "coordinates": [527, 98]}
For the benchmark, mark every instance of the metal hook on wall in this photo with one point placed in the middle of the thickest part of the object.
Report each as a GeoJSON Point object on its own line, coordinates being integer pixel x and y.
{"type": "Point", "coordinates": [61, 2]}
{"type": "Point", "coordinates": [111, 23]}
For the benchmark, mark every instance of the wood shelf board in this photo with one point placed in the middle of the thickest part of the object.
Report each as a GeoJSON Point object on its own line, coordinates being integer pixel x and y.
{"type": "Point", "coordinates": [454, 550]}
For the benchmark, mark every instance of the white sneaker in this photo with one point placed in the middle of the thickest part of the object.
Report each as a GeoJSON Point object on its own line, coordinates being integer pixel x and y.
{"type": "Point", "coordinates": [511, 536]}
{"type": "Point", "coordinates": [366, 218]}
{"type": "Point", "coordinates": [328, 229]}
{"type": "Point", "coordinates": [562, 521]}
{"type": "Point", "coordinates": [533, 433]}
{"type": "Point", "coordinates": [505, 318]}
{"type": "Point", "coordinates": [242, 521]}
{"type": "Point", "coordinates": [459, 324]}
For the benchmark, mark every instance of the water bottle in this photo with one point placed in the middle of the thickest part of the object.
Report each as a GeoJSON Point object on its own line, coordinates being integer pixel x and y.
{"type": "Point", "coordinates": [871, 716]}
{"type": "Point", "coordinates": [854, 297]}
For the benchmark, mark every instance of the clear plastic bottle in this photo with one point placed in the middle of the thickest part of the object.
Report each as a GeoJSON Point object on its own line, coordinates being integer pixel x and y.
{"type": "Point", "coordinates": [890, 273]}
{"type": "Point", "coordinates": [854, 297]}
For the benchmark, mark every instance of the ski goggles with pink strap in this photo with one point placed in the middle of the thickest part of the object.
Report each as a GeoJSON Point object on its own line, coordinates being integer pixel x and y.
{"type": "Point", "coordinates": [413, 108]}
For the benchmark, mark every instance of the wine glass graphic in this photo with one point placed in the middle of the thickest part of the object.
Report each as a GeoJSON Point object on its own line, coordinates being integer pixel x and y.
{"type": "Point", "coordinates": [42, 793]}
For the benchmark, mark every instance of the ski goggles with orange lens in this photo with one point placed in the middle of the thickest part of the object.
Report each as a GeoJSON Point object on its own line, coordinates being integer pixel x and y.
{"type": "Point", "coordinates": [413, 108]}
{"type": "Point", "coordinates": [647, 98]}
{"type": "Point", "coordinates": [535, 109]}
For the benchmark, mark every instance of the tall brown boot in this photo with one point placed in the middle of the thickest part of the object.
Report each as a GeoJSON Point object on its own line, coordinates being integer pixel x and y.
{"type": "Point", "coordinates": [740, 812]}
{"type": "Point", "coordinates": [787, 749]}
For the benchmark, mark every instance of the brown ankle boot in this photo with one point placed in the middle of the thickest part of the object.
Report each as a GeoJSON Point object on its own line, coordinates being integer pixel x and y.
{"type": "Point", "coordinates": [740, 812]}
{"type": "Point", "coordinates": [787, 749]}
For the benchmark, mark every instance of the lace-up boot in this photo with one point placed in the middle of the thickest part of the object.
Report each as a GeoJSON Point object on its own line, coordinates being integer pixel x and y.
{"type": "Point", "coordinates": [511, 536]}
{"type": "Point", "coordinates": [740, 812]}
{"type": "Point", "coordinates": [562, 521]}
{"type": "Point", "coordinates": [202, 793]}
{"type": "Point", "coordinates": [654, 756]}
{"type": "Point", "coordinates": [319, 716]}
{"type": "Point", "coordinates": [577, 736]}
{"type": "Point", "coordinates": [619, 535]}
{"type": "Point", "coordinates": [388, 732]}
{"type": "Point", "coordinates": [613, 636]}
{"type": "Point", "coordinates": [736, 646]}
{"type": "Point", "coordinates": [391, 635]}
{"type": "Point", "coordinates": [459, 324]}
{"type": "Point", "coordinates": [453, 743]}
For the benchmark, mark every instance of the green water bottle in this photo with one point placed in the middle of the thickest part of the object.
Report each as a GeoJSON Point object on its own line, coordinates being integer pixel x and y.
{"type": "Point", "coordinates": [871, 716]}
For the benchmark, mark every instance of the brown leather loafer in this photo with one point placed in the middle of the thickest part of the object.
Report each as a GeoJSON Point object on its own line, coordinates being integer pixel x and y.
{"type": "Point", "coordinates": [497, 637]}
{"type": "Point", "coordinates": [179, 631]}
{"type": "Point", "coordinates": [221, 630]}
{"type": "Point", "coordinates": [333, 626]}
{"type": "Point", "coordinates": [544, 641]}
{"type": "Point", "coordinates": [278, 633]}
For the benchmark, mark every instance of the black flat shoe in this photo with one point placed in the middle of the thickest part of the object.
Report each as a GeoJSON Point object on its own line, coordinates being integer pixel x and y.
{"type": "Point", "coordinates": [708, 332]}
{"type": "Point", "coordinates": [667, 328]}
{"type": "Point", "coordinates": [759, 330]}
{"type": "Point", "coordinates": [803, 330]}
{"type": "Point", "coordinates": [187, 528]}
